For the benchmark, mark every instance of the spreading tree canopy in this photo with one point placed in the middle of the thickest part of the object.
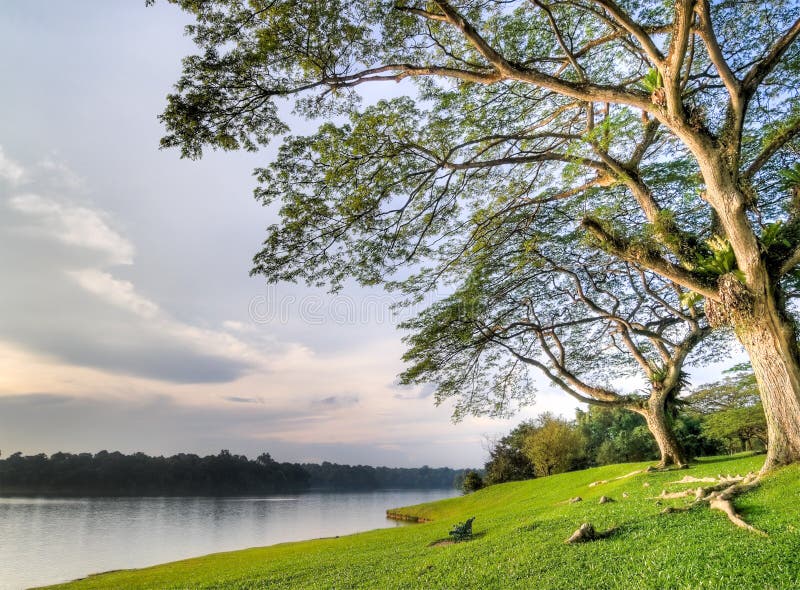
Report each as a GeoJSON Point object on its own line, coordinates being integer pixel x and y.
{"type": "Point", "coordinates": [665, 132]}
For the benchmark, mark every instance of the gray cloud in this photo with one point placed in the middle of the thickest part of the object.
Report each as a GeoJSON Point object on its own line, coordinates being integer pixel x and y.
{"type": "Point", "coordinates": [335, 401]}
{"type": "Point", "coordinates": [414, 391]}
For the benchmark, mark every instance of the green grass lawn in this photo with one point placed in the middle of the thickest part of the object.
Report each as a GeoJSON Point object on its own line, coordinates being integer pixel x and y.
{"type": "Point", "coordinates": [520, 531]}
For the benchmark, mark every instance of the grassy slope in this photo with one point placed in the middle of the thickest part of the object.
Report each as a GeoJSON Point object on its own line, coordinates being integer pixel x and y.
{"type": "Point", "coordinates": [520, 531]}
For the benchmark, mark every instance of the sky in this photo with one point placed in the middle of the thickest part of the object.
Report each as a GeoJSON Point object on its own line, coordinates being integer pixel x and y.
{"type": "Point", "coordinates": [128, 320]}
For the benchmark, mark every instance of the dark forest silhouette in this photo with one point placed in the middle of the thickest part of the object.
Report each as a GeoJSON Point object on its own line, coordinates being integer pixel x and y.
{"type": "Point", "coordinates": [116, 474]}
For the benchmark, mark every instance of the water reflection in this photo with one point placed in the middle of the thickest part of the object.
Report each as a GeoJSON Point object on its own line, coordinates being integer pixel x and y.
{"type": "Point", "coordinates": [46, 540]}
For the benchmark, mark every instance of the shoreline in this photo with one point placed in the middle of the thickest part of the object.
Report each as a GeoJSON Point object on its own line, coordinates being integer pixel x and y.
{"type": "Point", "coordinates": [391, 515]}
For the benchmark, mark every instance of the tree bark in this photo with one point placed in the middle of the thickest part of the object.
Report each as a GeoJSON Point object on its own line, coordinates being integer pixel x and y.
{"type": "Point", "coordinates": [771, 343]}
{"type": "Point", "coordinates": [758, 316]}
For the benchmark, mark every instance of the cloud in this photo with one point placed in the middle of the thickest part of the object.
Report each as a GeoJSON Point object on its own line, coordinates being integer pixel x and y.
{"type": "Point", "coordinates": [119, 293]}
{"type": "Point", "coordinates": [10, 170]}
{"type": "Point", "coordinates": [153, 423]}
{"type": "Point", "coordinates": [335, 401]}
{"type": "Point", "coordinates": [58, 258]}
{"type": "Point", "coordinates": [414, 391]}
{"type": "Point", "coordinates": [243, 400]}
{"type": "Point", "coordinates": [73, 225]}
{"type": "Point", "coordinates": [158, 424]}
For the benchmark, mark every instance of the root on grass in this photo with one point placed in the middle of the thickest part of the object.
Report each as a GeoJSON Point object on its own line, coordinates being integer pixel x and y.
{"type": "Point", "coordinates": [718, 496]}
{"type": "Point", "coordinates": [627, 475]}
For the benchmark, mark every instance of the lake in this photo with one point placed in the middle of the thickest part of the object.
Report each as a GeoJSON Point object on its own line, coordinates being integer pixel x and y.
{"type": "Point", "coordinates": [49, 540]}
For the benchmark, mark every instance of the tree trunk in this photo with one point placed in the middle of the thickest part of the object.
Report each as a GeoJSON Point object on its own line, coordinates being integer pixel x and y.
{"type": "Point", "coordinates": [771, 344]}
{"type": "Point", "coordinates": [659, 425]}
{"type": "Point", "coordinates": [757, 314]}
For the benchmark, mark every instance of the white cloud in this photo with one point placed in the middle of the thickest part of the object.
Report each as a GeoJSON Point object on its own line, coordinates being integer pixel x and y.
{"type": "Point", "coordinates": [10, 170]}
{"type": "Point", "coordinates": [119, 293]}
{"type": "Point", "coordinates": [74, 225]}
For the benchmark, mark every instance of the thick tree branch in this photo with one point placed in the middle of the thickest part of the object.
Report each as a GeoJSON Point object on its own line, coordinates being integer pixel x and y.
{"type": "Point", "coordinates": [421, 12]}
{"type": "Point", "coordinates": [791, 262]}
{"type": "Point", "coordinates": [653, 261]}
{"type": "Point", "coordinates": [715, 52]}
{"type": "Point", "coordinates": [681, 29]}
{"type": "Point", "coordinates": [591, 395]}
{"type": "Point", "coordinates": [507, 70]}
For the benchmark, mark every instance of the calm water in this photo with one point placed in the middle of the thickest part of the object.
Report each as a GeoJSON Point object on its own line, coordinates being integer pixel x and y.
{"type": "Point", "coordinates": [46, 540]}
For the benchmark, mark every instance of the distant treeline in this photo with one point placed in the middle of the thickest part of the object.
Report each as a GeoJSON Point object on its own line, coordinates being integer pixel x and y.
{"type": "Point", "coordinates": [333, 476]}
{"type": "Point", "coordinates": [117, 474]}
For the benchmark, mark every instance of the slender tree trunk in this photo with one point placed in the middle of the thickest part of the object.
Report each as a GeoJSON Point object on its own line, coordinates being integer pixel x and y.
{"type": "Point", "coordinates": [771, 344]}
{"type": "Point", "coordinates": [659, 425]}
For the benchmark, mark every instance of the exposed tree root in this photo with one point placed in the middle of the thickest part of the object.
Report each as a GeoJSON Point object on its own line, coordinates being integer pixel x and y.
{"type": "Point", "coordinates": [627, 475]}
{"type": "Point", "coordinates": [718, 496]}
{"type": "Point", "coordinates": [670, 467]}
{"type": "Point", "coordinates": [691, 479]}
{"type": "Point", "coordinates": [664, 495]}
{"type": "Point", "coordinates": [726, 506]}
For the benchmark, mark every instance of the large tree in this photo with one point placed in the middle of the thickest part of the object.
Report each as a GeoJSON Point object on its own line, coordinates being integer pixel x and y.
{"type": "Point", "coordinates": [601, 330]}
{"type": "Point", "coordinates": [660, 128]}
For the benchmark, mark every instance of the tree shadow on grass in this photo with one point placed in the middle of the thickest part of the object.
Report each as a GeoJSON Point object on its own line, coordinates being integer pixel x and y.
{"type": "Point", "coordinates": [725, 458]}
{"type": "Point", "coordinates": [450, 541]}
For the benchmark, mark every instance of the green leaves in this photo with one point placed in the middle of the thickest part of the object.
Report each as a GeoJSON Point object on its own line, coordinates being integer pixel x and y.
{"type": "Point", "coordinates": [652, 81]}
{"type": "Point", "coordinates": [721, 259]}
{"type": "Point", "coordinates": [790, 177]}
{"type": "Point", "coordinates": [774, 234]}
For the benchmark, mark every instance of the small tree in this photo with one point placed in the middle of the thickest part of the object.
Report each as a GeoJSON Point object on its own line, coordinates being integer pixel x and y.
{"type": "Point", "coordinates": [553, 446]}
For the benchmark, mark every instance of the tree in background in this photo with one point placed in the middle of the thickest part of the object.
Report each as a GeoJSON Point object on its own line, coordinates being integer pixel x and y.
{"type": "Point", "coordinates": [472, 482]}
{"type": "Point", "coordinates": [661, 132]}
{"type": "Point", "coordinates": [731, 410]}
{"type": "Point", "coordinates": [553, 445]}
{"type": "Point", "coordinates": [581, 319]}
{"type": "Point", "coordinates": [507, 459]}
{"type": "Point", "coordinates": [613, 435]}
